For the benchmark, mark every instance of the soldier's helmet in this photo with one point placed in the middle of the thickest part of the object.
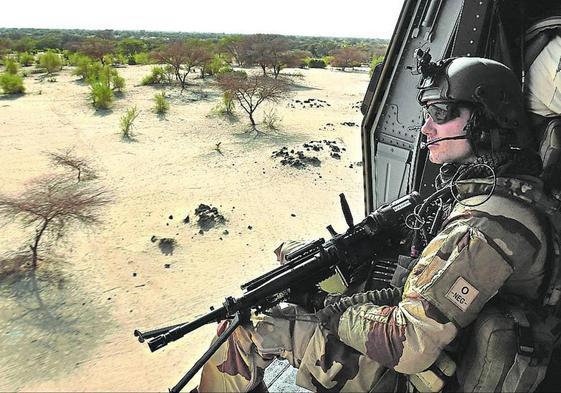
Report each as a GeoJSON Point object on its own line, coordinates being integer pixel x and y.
{"type": "Point", "coordinates": [492, 91]}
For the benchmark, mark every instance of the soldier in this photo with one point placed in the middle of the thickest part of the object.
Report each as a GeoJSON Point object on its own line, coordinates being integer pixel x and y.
{"type": "Point", "coordinates": [487, 262]}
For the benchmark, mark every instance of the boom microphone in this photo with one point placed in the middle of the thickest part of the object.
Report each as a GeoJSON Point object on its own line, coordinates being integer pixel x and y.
{"type": "Point", "coordinates": [424, 145]}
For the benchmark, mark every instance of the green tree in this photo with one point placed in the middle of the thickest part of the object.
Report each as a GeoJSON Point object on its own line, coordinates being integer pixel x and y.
{"type": "Point", "coordinates": [11, 65]}
{"type": "Point", "coordinates": [26, 59]}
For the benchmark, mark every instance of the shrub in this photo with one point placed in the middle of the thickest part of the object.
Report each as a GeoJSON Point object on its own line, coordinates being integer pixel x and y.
{"type": "Point", "coordinates": [12, 66]}
{"type": "Point", "coordinates": [101, 95]}
{"type": "Point", "coordinates": [272, 119]}
{"type": "Point", "coordinates": [86, 68]}
{"type": "Point", "coordinates": [120, 59]}
{"type": "Point", "coordinates": [162, 104]}
{"type": "Point", "coordinates": [158, 76]}
{"type": "Point", "coordinates": [374, 62]}
{"type": "Point", "coordinates": [50, 61]}
{"type": "Point", "coordinates": [218, 66]}
{"type": "Point", "coordinates": [229, 103]}
{"type": "Point", "coordinates": [316, 63]}
{"type": "Point", "coordinates": [107, 59]}
{"type": "Point", "coordinates": [11, 83]}
{"type": "Point", "coordinates": [26, 59]}
{"type": "Point", "coordinates": [141, 58]}
{"type": "Point", "coordinates": [117, 81]}
{"type": "Point", "coordinates": [127, 121]}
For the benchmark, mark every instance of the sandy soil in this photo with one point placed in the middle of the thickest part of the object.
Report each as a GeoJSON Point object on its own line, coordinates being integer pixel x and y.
{"type": "Point", "coordinates": [70, 328]}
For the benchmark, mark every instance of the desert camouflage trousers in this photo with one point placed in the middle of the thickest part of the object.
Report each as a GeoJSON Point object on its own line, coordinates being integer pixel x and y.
{"type": "Point", "coordinates": [324, 363]}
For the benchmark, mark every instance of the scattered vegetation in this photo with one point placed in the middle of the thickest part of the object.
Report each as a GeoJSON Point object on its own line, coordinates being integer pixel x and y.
{"type": "Point", "coordinates": [50, 61]}
{"type": "Point", "coordinates": [158, 75]}
{"type": "Point", "coordinates": [51, 205]}
{"type": "Point", "coordinates": [101, 95]}
{"type": "Point", "coordinates": [11, 83]}
{"type": "Point", "coordinates": [161, 103]}
{"type": "Point", "coordinates": [26, 59]}
{"type": "Point", "coordinates": [11, 65]}
{"type": "Point", "coordinates": [103, 84]}
{"type": "Point", "coordinates": [127, 122]}
{"type": "Point", "coordinates": [316, 63]}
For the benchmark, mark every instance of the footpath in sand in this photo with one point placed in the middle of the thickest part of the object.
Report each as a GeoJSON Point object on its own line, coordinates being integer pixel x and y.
{"type": "Point", "coordinates": [70, 328]}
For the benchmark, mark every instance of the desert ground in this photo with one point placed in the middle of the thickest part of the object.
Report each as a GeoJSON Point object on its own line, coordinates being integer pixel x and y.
{"type": "Point", "coordinates": [71, 329]}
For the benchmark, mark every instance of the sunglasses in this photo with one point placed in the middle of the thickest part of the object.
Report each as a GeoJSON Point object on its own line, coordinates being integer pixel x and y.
{"type": "Point", "coordinates": [441, 112]}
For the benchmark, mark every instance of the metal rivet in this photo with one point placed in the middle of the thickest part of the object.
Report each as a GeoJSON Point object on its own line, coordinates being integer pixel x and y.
{"type": "Point", "coordinates": [475, 29]}
{"type": "Point", "coordinates": [471, 41]}
{"type": "Point", "coordinates": [477, 16]}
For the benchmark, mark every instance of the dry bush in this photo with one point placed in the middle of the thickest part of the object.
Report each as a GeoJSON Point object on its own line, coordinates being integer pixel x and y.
{"type": "Point", "coordinates": [68, 159]}
{"type": "Point", "coordinates": [251, 91]}
{"type": "Point", "coordinates": [51, 204]}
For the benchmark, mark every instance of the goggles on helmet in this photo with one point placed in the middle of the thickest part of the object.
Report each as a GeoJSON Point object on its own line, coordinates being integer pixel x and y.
{"type": "Point", "coordinates": [441, 112]}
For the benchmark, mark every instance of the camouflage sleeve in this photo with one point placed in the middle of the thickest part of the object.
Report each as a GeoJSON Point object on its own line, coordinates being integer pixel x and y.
{"type": "Point", "coordinates": [458, 272]}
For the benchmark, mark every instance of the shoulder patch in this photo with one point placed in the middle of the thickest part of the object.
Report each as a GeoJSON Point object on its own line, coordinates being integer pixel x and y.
{"type": "Point", "coordinates": [462, 294]}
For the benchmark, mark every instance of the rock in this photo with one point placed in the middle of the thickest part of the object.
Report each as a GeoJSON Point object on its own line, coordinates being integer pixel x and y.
{"type": "Point", "coordinates": [249, 227]}
{"type": "Point", "coordinates": [134, 274]}
{"type": "Point", "coordinates": [170, 217]}
{"type": "Point", "coordinates": [225, 232]}
{"type": "Point", "coordinates": [167, 265]}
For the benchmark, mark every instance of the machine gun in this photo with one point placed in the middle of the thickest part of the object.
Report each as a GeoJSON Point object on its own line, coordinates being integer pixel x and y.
{"type": "Point", "coordinates": [304, 269]}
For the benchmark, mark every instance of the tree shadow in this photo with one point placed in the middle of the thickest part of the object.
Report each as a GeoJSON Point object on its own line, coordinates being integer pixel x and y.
{"type": "Point", "coordinates": [49, 323]}
{"type": "Point", "coordinates": [167, 245]}
{"type": "Point", "coordinates": [261, 136]}
{"type": "Point", "coordinates": [300, 87]}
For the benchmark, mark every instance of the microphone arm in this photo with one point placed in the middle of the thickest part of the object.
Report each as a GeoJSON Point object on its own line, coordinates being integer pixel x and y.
{"type": "Point", "coordinates": [424, 145]}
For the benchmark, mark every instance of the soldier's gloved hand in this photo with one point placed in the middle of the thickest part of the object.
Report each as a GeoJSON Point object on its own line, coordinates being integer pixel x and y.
{"type": "Point", "coordinates": [328, 318]}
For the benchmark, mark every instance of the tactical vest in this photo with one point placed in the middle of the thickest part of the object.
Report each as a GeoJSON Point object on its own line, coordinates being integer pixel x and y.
{"type": "Point", "coordinates": [509, 346]}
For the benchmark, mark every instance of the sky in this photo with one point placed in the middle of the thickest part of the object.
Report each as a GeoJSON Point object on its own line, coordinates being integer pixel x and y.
{"type": "Point", "coordinates": [358, 18]}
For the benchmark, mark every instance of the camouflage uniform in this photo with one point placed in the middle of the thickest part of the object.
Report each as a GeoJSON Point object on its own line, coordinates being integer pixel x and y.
{"type": "Point", "coordinates": [495, 248]}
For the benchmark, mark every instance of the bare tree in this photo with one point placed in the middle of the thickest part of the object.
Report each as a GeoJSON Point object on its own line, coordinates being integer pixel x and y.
{"type": "Point", "coordinates": [290, 58]}
{"type": "Point", "coordinates": [182, 56]}
{"type": "Point", "coordinates": [51, 204]}
{"type": "Point", "coordinates": [251, 91]}
{"type": "Point", "coordinates": [69, 159]}
{"type": "Point", "coordinates": [202, 55]}
{"type": "Point", "coordinates": [97, 47]}
{"type": "Point", "coordinates": [349, 56]}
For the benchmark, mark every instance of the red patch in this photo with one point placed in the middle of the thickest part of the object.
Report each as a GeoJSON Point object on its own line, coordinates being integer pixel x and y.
{"type": "Point", "coordinates": [222, 326]}
{"type": "Point", "coordinates": [234, 364]}
{"type": "Point", "coordinates": [385, 340]}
